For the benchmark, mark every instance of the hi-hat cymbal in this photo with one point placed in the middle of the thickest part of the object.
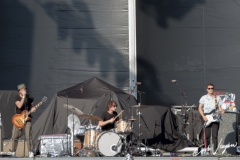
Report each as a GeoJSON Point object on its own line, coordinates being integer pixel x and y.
{"type": "Point", "coordinates": [140, 106]}
{"type": "Point", "coordinates": [73, 109]}
{"type": "Point", "coordinates": [132, 119]}
{"type": "Point", "coordinates": [91, 117]}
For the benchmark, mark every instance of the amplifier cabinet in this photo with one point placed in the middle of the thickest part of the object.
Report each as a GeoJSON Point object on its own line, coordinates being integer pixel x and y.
{"type": "Point", "coordinates": [22, 151]}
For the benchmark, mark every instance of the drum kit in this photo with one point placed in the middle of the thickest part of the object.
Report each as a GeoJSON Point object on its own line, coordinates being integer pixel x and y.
{"type": "Point", "coordinates": [115, 142]}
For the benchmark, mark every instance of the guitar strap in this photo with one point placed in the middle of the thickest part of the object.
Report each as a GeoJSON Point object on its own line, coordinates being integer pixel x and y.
{"type": "Point", "coordinates": [216, 104]}
{"type": "Point", "coordinates": [26, 103]}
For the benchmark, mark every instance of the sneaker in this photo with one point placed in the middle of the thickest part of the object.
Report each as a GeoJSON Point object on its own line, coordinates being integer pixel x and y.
{"type": "Point", "coordinates": [13, 154]}
{"type": "Point", "coordinates": [30, 155]}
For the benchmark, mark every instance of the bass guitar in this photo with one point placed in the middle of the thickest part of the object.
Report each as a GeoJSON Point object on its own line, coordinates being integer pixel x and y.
{"type": "Point", "coordinates": [19, 120]}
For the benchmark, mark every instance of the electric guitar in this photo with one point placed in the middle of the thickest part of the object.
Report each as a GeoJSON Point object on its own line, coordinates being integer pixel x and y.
{"type": "Point", "coordinates": [19, 120]}
{"type": "Point", "coordinates": [212, 117]}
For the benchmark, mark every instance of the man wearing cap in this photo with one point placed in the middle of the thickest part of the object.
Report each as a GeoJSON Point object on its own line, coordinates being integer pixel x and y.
{"type": "Point", "coordinates": [23, 102]}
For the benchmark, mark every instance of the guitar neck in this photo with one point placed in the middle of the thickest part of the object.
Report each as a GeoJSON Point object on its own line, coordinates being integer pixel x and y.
{"type": "Point", "coordinates": [36, 106]}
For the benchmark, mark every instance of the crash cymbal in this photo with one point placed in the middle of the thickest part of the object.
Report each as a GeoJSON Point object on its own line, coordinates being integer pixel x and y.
{"type": "Point", "coordinates": [132, 119]}
{"type": "Point", "coordinates": [140, 106]}
{"type": "Point", "coordinates": [73, 109]}
{"type": "Point", "coordinates": [91, 117]}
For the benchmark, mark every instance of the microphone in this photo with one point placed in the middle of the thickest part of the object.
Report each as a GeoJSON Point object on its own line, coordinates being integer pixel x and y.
{"type": "Point", "coordinates": [174, 81]}
{"type": "Point", "coordinates": [138, 83]}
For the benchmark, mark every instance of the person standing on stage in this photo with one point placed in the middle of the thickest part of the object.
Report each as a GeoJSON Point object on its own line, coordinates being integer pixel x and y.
{"type": "Point", "coordinates": [109, 116]}
{"type": "Point", "coordinates": [23, 101]}
{"type": "Point", "coordinates": [208, 104]}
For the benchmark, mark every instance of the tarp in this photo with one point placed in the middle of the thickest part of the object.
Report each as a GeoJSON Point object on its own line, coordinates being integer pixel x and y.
{"type": "Point", "coordinates": [90, 96]}
{"type": "Point", "coordinates": [161, 129]}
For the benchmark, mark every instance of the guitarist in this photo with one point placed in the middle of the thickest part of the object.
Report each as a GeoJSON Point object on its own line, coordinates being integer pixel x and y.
{"type": "Point", "coordinates": [23, 101]}
{"type": "Point", "coordinates": [208, 104]}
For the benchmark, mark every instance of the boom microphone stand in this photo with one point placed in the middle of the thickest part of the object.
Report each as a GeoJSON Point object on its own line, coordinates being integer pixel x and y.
{"type": "Point", "coordinates": [183, 94]}
{"type": "Point", "coordinates": [184, 104]}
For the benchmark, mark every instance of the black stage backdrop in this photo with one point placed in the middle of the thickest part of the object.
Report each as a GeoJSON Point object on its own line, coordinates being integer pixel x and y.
{"type": "Point", "coordinates": [50, 45]}
{"type": "Point", "coordinates": [194, 41]}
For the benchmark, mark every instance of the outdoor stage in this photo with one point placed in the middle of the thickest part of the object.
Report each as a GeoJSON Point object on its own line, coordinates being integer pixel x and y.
{"type": "Point", "coordinates": [124, 158]}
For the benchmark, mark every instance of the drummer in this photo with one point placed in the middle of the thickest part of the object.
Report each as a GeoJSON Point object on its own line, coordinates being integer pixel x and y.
{"type": "Point", "coordinates": [108, 116]}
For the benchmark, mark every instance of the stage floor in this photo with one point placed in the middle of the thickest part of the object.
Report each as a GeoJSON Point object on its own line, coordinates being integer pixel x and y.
{"type": "Point", "coordinates": [124, 158]}
{"type": "Point", "coordinates": [165, 156]}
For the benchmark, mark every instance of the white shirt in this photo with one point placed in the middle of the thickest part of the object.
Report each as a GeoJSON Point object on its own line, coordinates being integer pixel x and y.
{"type": "Point", "coordinates": [208, 103]}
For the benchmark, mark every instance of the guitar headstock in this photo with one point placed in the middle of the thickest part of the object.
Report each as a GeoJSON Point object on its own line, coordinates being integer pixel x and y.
{"type": "Point", "coordinates": [44, 99]}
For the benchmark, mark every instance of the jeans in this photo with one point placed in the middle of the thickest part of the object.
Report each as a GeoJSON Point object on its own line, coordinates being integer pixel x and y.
{"type": "Point", "coordinates": [212, 128]}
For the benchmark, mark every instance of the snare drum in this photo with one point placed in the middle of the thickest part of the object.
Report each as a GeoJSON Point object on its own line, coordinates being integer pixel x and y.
{"type": "Point", "coordinates": [124, 127]}
{"type": "Point", "coordinates": [81, 131]}
{"type": "Point", "coordinates": [108, 143]}
{"type": "Point", "coordinates": [90, 136]}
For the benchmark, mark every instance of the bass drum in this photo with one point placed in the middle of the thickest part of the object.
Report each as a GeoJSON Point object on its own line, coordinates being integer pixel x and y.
{"type": "Point", "coordinates": [108, 143]}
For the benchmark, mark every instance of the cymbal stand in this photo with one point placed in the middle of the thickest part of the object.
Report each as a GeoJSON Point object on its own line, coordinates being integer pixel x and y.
{"type": "Point", "coordinates": [66, 93]}
{"type": "Point", "coordinates": [139, 122]}
{"type": "Point", "coordinates": [72, 132]}
{"type": "Point", "coordinates": [145, 130]}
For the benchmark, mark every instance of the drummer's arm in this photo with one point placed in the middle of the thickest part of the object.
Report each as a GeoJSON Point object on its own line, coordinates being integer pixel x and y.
{"type": "Point", "coordinates": [103, 123]}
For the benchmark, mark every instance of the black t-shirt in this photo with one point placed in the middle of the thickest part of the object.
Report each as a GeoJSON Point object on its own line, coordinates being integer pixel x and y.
{"type": "Point", "coordinates": [106, 116]}
{"type": "Point", "coordinates": [27, 104]}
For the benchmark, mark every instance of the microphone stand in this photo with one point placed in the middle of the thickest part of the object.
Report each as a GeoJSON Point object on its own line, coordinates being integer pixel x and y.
{"type": "Point", "coordinates": [183, 95]}
{"type": "Point", "coordinates": [131, 122]}
{"type": "Point", "coordinates": [26, 108]}
{"type": "Point", "coordinates": [183, 110]}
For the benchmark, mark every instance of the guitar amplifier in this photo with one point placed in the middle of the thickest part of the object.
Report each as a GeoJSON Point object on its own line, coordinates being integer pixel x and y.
{"type": "Point", "coordinates": [54, 145]}
{"type": "Point", "coordinates": [22, 149]}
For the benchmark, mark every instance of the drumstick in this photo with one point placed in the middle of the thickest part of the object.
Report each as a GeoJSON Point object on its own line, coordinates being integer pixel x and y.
{"type": "Point", "coordinates": [118, 114]}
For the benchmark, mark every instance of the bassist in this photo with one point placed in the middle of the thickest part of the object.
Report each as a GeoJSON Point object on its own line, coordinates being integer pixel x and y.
{"type": "Point", "coordinates": [207, 104]}
{"type": "Point", "coordinates": [23, 102]}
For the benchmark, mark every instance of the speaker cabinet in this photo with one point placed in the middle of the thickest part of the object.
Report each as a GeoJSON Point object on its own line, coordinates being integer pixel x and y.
{"type": "Point", "coordinates": [228, 133]}
{"type": "Point", "coordinates": [7, 146]}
